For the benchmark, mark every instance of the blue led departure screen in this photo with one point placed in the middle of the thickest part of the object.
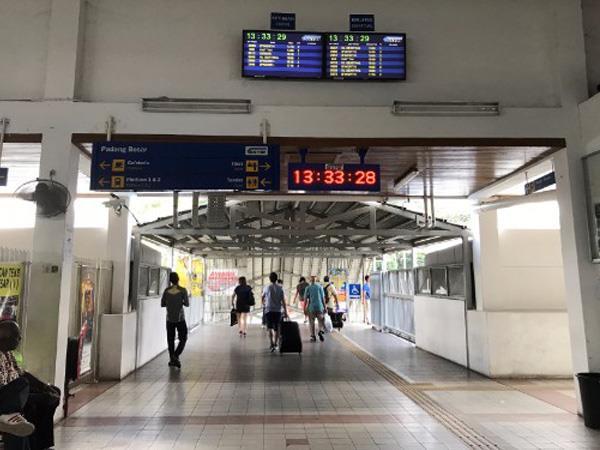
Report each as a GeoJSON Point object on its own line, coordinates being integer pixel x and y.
{"type": "Point", "coordinates": [365, 56]}
{"type": "Point", "coordinates": [282, 54]}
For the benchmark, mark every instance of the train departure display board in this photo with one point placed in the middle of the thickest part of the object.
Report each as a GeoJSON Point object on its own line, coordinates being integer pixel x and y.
{"type": "Point", "coordinates": [282, 54]}
{"type": "Point", "coordinates": [334, 177]}
{"type": "Point", "coordinates": [365, 56]}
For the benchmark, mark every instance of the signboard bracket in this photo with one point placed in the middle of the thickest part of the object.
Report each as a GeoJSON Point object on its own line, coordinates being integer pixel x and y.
{"type": "Point", "coordinates": [264, 130]}
{"type": "Point", "coordinates": [110, 127]}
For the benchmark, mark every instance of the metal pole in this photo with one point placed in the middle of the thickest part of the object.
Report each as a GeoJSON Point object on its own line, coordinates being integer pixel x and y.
{"type": "Point", "coordinates": [175, 209]}
{"type": "Point", "coordinates": [466, 256]}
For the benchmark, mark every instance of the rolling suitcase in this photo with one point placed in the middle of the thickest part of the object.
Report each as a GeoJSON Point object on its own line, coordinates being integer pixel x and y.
{"type": "Point", "coordinates": [290, 340]}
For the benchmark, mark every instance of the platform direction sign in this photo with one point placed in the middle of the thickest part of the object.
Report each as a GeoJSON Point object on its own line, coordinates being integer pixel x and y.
{"type": "Point", "coordinates": [161, 166]}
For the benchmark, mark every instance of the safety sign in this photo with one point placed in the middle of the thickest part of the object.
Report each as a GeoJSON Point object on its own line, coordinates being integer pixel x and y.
{"type": "Point", "coordinates": [354, 291]}
{"type": "Point", "coordinates": [161, 166]}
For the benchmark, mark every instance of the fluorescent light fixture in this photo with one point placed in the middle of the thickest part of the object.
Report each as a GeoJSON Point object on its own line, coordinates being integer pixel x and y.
{"type": "Point", "coordinates": [197, 105]}
{"type": "Point", "coordinates": [403, 180]}
{"type": "Point", "coordinates": [400, 108]}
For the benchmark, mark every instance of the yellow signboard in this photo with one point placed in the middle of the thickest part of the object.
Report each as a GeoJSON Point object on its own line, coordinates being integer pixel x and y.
{"type": "Point", "coordinates": [11, 280]}
{"type": "Point", "coordinates": [11, 276]}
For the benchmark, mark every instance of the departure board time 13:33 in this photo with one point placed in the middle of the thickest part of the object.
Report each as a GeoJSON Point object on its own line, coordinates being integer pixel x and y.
{"type": "Point", "coordinates": [282, 54]}
{"type": "Point", "coordinates": [365, 56]}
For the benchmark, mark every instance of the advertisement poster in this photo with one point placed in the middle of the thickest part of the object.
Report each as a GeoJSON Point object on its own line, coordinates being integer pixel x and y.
{"type": "Point", "coordinates": [197, 277]}
{"type": "Point", "coordinates": [11, 283]}
{"type": "Point", "coordinates": [221, 281]}
{"type": "Point", "coordinates": [87, 292]}
{"type": "Point", "coordinates": [183, 268]}
{"type": "Point", "coordinates": [339, 278]}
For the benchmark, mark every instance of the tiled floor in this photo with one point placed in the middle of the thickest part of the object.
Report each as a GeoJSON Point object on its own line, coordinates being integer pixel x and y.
{"type": "Point", "coordinates": [232, 393]}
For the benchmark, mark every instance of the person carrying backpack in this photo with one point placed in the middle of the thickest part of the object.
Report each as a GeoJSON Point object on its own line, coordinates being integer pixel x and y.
{"type": "Point", "coordinates": [331, 296]}
{"type": "Point", "coordinates": [241, 301]}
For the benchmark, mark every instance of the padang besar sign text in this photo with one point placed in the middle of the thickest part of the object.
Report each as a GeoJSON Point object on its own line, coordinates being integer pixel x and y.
{"type": "Point", "coordinates": [11, 279]}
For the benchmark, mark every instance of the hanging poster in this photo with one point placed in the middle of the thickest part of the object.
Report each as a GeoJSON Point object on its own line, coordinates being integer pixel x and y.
{"type": "Point", "coordinates": [221, 280]}
{"type": "Point", "coordinates": [339, 278]}
{"type": "Point", "coordinates": [11, 285]}
{"type": "Point", "coordinates": [183, 269]}
{"type": "Point", "coordinates": [197, 277]}
{"type": "Point", "coordinates": [87, 296]}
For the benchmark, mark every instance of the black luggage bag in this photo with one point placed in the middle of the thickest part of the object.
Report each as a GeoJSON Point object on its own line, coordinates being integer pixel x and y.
{"type": "Point", "coordinates": [290, 340]}
{"type": "Point", "coordinates": [337, 320]}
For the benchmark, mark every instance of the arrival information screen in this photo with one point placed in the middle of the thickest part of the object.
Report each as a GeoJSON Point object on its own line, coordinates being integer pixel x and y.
{"type": "Point", "coordinates": [279, 54]}
{"type": "Point", "coordinates": [365, 56]}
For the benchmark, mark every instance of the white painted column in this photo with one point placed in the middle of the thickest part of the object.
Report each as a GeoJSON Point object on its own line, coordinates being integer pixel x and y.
{"type": "Point", "coordinates": [65, 37]}
{"type": "Point", "coordinates": [119, 252]}
{"type": "Point", "coordinates": [118, 330]}
{"type": "Point", "coordinates": [582, 278]}
{"type": "Point", "coordinates": [51, 273]}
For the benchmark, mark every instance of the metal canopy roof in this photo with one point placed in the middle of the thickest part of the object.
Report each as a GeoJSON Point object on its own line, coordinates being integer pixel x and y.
{"type": "Point", "coordinates": [332, 228]}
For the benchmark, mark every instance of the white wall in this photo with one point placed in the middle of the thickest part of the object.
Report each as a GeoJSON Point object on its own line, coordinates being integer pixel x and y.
{"type": "Point", "coordinates": [89, 243]}
{"type": "Point", "coordinates": [24, 34]}
{"type": "Point", "coordinates": [517, 269]}
{"type": "Point", "coordinates": [591, 18]}
{"type": "Point", "coordinates": [440, 327]}
{"type": "Point", "coordinates": [519, 344]}
{"type": "Point", "coordinates": [193, 49]}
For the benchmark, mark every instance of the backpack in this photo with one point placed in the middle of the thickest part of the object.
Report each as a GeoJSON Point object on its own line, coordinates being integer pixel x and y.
{"type": "Point", "coordinates": [251, 300]}
{"type": "Point", "coordinates": [327, 293]}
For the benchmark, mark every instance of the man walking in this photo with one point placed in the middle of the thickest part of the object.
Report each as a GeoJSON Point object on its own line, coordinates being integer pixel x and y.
{"type": "Point", "coordinates": [315, 296]}
{"type": "Point", "coordinates": [331, 296]}
{"type": "Point", "coordinates": [273, 300]}
{"type": "Point", "coordinates": [174, 299]}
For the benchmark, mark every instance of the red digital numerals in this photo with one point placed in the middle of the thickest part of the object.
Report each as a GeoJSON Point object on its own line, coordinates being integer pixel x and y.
{"type": "Point", "coordinates": [331, 177]}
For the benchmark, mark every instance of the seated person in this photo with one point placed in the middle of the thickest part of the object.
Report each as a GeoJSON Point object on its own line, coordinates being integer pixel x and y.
{"type": "Point", "coordinates": [22, 394]}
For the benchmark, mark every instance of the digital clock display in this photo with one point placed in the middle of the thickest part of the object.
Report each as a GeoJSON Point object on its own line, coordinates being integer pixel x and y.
{"type": "Point", "coordinates": [330, 177]}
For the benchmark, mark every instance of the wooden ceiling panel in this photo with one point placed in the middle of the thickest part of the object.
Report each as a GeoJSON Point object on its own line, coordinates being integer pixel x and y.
{"type": "Point", "coordinates": [449, 171]}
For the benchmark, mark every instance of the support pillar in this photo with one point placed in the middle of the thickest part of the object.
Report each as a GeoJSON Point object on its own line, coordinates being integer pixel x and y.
{"type": "Point", "coordinates": [582, 278]}
{"type": "Point", "coordinates": [44, 349]}
{"type": "Point", "coordinates": [118, 335]}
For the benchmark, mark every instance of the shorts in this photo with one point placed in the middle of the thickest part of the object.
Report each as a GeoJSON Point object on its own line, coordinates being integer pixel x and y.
{"type": "Point", "coordinates": [273, 320]}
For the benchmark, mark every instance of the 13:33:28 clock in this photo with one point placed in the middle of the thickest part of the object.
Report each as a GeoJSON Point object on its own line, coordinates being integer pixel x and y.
{"type": "Point", "coordinates": [322, 177]}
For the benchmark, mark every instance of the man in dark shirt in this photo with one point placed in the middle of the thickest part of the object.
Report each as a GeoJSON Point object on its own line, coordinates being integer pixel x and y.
{"type": "Point", "coordinates": [174, 299]}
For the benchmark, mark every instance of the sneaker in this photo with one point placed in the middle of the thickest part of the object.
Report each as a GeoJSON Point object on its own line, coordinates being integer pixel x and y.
{"type": "Point", "coordinates": [16, 425]}
{"type": "Point", "coordinates": [273, 348]}
{"type": "Point", "coordinates": [321, 336]}
{"type": "Point", "coordinates": [313, 339]}
{"type": "Point", "coordinates": [176, 362]}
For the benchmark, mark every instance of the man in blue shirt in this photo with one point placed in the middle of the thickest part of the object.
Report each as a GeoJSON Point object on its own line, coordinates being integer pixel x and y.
{"type": "Point", "coordinates": [315, 297]}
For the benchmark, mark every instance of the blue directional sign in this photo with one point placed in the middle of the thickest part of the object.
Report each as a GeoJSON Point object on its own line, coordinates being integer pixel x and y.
{"type": "Point", "coordinates": [354, 291]}
{"type": "Point", "coordinates": [362, 22]}
{"type": "Point", "coordinates": [283, 21]}
{"type": "Point", "coordinates": [160, 166]}
{"type": "Point", "coordinates": [3, 176]}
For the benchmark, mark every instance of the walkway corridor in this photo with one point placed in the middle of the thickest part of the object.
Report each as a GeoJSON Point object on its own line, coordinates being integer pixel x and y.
{"type": "Point", "coordinates": [232, 393]}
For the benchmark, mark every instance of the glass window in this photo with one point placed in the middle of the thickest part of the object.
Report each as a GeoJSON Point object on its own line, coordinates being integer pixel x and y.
{"type": "Point", "coordinates": [143, 281]}
{"type": "Point", "coordinates": [456, 281]}
{"type": "Point", "coordinates": [424, 280]}
{"type": "Point", "coordinates": [438, 281]}
{"type": "Point", "coordinates": [164, 280]}
{"type": "Point", "coordinates": [154, 281]}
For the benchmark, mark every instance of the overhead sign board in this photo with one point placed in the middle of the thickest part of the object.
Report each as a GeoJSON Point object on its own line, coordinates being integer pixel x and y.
{"type": "Point", "coordinates": [540, 183]}
{"type": "Point", "coordinates": [334, 177]}
{"type": "Point", "coordinates": [283, 21]}
{"type": "Point", "coordinates": [161, 166]}
{"type": "Point", "coordinates": [3, 176]}
{"type": "Point", "coordinates": [362, 22]}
